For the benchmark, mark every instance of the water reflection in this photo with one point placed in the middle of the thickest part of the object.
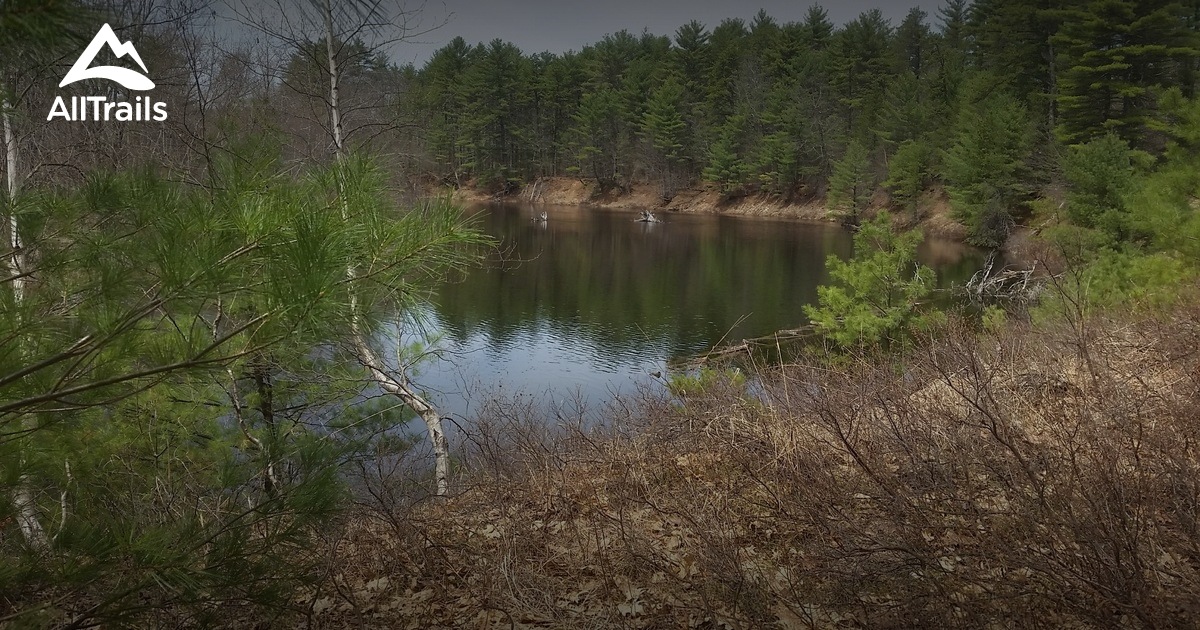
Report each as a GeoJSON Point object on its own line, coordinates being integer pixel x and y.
{"type": "Point", "coordinates": [592, 300]}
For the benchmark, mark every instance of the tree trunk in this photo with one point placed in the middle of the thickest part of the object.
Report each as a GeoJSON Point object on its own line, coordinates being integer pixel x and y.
{"type": "Point", "coordinates": [397, 384]}
{"type": "Point", "coordinates": [402, 388]}
{"type": "Point", "coordinates": [266, 408]}
{"type": "Point", "coordinates": [26, 508]}
{"type": "Point", "coordinates": [17, 261]}
{"type": "Point", "coordinates": [1053, 104]}
{"type": "Point", "coordinates": [335, 111]}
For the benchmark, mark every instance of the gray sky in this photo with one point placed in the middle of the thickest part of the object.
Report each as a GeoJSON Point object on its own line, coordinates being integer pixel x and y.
{"type": "Point", "coordinates": [561, 25]}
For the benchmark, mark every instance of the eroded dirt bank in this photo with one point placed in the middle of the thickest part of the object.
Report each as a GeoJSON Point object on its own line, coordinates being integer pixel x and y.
{"type": "Point", "coordinates": [936, 220]}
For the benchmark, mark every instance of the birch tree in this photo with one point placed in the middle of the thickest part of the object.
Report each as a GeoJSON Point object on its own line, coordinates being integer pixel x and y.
{"type": "Point", "coordinates": [351, 32]}
{"type": "Point", "coordinates": [26, 28]}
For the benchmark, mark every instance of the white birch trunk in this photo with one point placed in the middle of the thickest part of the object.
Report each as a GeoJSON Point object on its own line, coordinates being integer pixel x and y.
{"type": "Point", "coordinates": [335, 112]}
{"type": "Point", "coordinates": [399, 386]}
{"type": "Point", "coordinates": [17, 261]}
{"type": "Point", "coordinates": [23, 501]}
{"type": "Point", "coordinates": [396, 384]}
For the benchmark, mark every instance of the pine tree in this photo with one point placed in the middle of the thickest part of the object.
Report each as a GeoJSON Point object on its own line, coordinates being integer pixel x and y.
{"type": "Point", "coordinates": [777, 157]}
{"type": "Point", "coordinates": [851, 186]}
{"type": "Point", "coordinates": [560, 87]}
{"type": "Point", "coordinates": [664, 126]}
{"type": "Point", "coordinates": [877, 295]}
{"type": "Point", "coordinates": [443, 99]}
{"type": "Point", "coordinates": [726, 43]}
{"type": "Point", "coordinates": [912, 43]}
{"type": "Point", "coordinates": [495, 89]}
{"type": "Point", "coordinates": [861, 67]}
{"type": "Point", "coordinates": [691, 62]}
{"type": "Point", "coordinates": [908, 173]}
{"type": "Point", "coordinates": [30, 33]}
{"type": "Point", "coordinates": [181, 460]}
{"type": "Point", "coordinates": [1120, 52]}
{"type": "Point", "coordinates": [1013, 42]}
{"type": "Point", "coordinates": [818, 30]}
{"type": "Point", "coordinates": [986, 166]}
{"type": "Point", "coordinates": [907, 113]}
{"type": "Point", "coordinates": [954, 14]}
{"type": "Point", "coordinates": [599, 136]}
{"type": "Point", "coordinates": [949, 57]}
{"type": "Point", "coordinates": [691, 55]}
{"type": "Point", "coordinates": [727, 167]}
{"type": "Point", "coordinates": [1100, 176]}
{"type": "Point", "coordinates": [806, 105]}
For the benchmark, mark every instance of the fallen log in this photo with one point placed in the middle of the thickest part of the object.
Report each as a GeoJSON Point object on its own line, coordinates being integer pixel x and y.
{"type": "Point", "coordinates": [748, 345]}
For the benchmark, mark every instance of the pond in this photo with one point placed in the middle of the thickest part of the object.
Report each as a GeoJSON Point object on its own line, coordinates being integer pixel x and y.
{"type": "Point", "coordinates": [590, 302]}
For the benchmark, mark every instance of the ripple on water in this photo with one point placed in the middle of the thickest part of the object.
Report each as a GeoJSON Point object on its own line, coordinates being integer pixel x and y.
{"type": "Point", "coordinates": [591, 303]}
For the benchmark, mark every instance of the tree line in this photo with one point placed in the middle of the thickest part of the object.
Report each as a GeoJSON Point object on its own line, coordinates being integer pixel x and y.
{"type": "Point", "coordinates": [984, 98]}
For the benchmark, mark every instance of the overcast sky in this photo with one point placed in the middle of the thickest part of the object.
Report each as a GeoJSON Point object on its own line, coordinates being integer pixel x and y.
{"type": "Point", "coordinates": [561, 25]}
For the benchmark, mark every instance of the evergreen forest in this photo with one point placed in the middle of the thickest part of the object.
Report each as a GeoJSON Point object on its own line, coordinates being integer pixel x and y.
{"type": "Point", "coordinates": [988, 101]}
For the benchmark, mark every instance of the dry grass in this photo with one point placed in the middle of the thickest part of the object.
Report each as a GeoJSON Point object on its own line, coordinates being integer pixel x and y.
{"type": "Point", "coordinates": [1040, 478]}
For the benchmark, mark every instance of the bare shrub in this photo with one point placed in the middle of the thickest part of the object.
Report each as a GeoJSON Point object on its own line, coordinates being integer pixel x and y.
{"type": "Point", "coordinates": [1040, 477]}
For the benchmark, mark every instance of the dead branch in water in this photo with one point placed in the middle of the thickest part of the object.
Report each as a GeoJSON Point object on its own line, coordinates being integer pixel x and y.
{"type": "Point", "coordinates": [748, 345]}
{"type": "Point", "coordinates": [989, 285]}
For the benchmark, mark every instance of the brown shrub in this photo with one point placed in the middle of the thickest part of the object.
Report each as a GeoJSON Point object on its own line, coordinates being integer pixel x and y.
{"type": "Point", "coordinates": [1043, 477]}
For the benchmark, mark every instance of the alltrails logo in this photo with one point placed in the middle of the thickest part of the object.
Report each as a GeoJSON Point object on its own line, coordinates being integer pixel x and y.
{"type": "Point", "coordinates": [99, 107]}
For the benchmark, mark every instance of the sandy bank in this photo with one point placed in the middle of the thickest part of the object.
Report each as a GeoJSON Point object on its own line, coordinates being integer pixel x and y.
{"type": "Point", "coordinates": [937, 221]}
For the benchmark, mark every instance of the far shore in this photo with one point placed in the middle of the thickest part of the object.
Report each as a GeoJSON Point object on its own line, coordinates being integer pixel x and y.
{"type": "Point", "coordinates": [936, 220]}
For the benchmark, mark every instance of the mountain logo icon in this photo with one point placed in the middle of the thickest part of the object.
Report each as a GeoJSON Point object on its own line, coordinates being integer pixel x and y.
{"type": "Point", "coordinates": [129, 78]}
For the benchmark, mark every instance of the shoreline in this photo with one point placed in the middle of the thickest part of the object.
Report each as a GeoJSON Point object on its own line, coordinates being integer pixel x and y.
{"type": "Point", "coordinates": [936, 220]}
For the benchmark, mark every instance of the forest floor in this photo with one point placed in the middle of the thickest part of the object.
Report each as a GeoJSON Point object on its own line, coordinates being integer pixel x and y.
{"type": "Point", "coordinates": [936, 219]}
{"type": "Point", "coordinates": [1045, 475]}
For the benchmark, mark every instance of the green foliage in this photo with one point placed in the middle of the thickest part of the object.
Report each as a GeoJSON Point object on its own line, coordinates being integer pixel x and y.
{"type": "Point", "coordinates": [1125, 280]}
{"type": "Point", "coordinates": [1163, 215]}
{"type": "Point", "coordinates": [1012, 44]}
{"type": "Point", "coordinates": [663, 121]}
{"type": "Point", "coordinates": [442, 97]}
{"type": "Point", "coordinates": [908, 173]}
{"type": "Point", "coordinates": [494, 90]}
{"type": "Point", "coordinates": [877, 298]}
{"type": "Point", "coordinates": [913, 42]}
{"type": "Point", "coordinates": [664, 126]}
{"type": "Point", "coordinates": [1135, 242]}
{"type": "Point", "coordinates": [994, 319]}
{"type": "Point", "coordinates": [1182, 124]}
{"type": "Point", "coordinates": [727, 168]}
{"type": "Point", "coordinates": [796, 123]}
{"type": "Point", "coordinates": [851, 185]}
{"type": "Point", "coordinates": [308, 66]}
{"type": "Point", "coordinates": [600, 135]}
{"type": "Point", "coordinates": [763, 105]}
{"type": "Point", "coordinates": [1164, 207]}
{"type": "Point", "coordinates": [28, 25]}
{"type": "Point", "coordinates": [704, 380]}
{"type": "Point", "coordinates": [1100, 176]}
{"type": "Point", "coordinates": [861, 68]}
{"type": "Point", "coordinates": [162, 399]}
{"type": "Point", "coordinates": [907, 113]}
{"type": "Point", "coordinates": [986, 166]}
{"type": "Point", "coordinates": [1119, 52]}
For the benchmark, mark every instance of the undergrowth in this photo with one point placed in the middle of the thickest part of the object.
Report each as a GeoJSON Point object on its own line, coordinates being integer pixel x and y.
{"type": "Point", "coordinates": [1034, 476]}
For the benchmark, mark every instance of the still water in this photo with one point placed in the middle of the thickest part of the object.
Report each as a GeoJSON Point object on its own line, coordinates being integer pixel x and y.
{"type": "Point", "coordinates": [591, 302]}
